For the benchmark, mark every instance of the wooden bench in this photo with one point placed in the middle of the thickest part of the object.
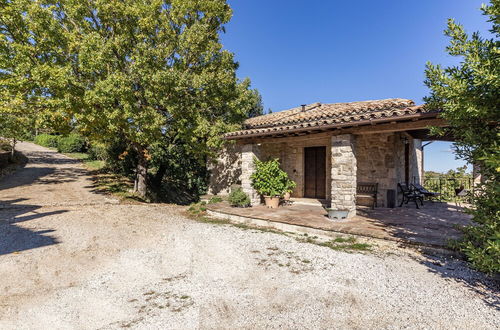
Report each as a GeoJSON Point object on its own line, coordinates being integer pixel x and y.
{"type": "Point", "coordinates": [367, 190]}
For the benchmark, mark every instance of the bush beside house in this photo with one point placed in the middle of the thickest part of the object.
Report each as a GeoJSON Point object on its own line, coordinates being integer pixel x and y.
{"type": "Point", "coordinates": [239, 198]}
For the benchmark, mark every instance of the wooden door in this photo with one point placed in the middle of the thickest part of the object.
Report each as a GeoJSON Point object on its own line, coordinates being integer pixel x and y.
{"type": "Point", "coordinates": [315, 172]}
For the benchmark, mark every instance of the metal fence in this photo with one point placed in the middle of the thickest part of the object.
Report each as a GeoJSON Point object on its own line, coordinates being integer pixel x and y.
{"type": "Point", "coordinates": [448, 187]}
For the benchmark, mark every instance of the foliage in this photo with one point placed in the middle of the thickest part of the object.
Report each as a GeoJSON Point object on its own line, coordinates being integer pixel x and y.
{"type": "Point", "coordinates": [215, 200]}
{"type": "Point", "coordinates": [290, 185]}
{"type": "Point", "coordinates": [197, 208]}
{"type": "Point", "coordinates": [98, 151]}
{"type": "Point", "coordinates": [119, 156]}
{"type": "Point", "coordinates": [26, 64]}
{"type": "Point", "coordinates": [71, 143]}
{"type": "Point", "coordinates": [47, 140]}
{"type": "Point", "coordinates": [269, 179]}
{"type": "Point", "coordinates": [13, 126]}
{"type": "Point", "coordinates": [177, 175]}
{"type": "Point", "coordinates": [469, 95]}
{"type": "Point", "coordinates": [148, 71]}
{"type": "Point", "coordinates": [239, 198]}
{"type": "Point", "coordinates": [5, 145]}
{"type": "Point", "coordinates": [447, 183]}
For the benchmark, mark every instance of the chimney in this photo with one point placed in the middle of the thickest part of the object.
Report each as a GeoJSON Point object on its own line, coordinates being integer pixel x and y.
{"type": "Point", "coordinates": [303, 107]}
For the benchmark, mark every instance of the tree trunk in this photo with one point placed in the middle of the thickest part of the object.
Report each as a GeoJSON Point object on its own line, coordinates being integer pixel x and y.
{"type": "Point", "coordinates": [140, 185]}
{"type": "Point", "coordinates": [157, 179]}
{"type": "Point", "coordinates": [13, 150]}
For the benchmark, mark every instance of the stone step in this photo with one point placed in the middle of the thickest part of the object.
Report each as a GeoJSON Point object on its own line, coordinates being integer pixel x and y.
{"type": "Point", "coordinates": [309, 201]}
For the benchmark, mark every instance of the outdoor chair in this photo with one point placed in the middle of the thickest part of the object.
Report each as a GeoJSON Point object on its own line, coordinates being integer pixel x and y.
{"type": "Point", "coordinates": [462, 194]}
{"type": "Point", "coordinates": [410, 195]}
{"type": "Point", "coordinates": [426, 193]}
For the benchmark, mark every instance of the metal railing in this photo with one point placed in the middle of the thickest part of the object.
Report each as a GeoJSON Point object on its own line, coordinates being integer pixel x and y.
{"type": "Point", "coordinates": [448, 187]}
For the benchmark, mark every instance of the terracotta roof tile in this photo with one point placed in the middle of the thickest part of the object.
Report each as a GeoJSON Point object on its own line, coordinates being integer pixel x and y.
{"type": "Point", "coordinates": [317, 115]}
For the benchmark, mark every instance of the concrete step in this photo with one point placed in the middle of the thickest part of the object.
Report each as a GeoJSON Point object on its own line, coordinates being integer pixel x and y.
{"type": "Point", "coordinates": [309, 201]}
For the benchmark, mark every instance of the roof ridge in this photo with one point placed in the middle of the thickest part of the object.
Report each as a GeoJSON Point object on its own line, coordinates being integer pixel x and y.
{"type": "Point", "coordinates": [318, 111]}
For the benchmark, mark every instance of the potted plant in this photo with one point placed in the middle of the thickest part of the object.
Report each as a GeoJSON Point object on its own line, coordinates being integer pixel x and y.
{"type": "Point", "coordinates": [290, 185]}
{"type": "Point", "coordinates": [270, 181]}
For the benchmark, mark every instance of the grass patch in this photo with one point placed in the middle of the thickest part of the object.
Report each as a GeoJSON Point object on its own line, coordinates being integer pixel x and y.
{"type": "Point", "coordinates": [344, 240]}
{"type": "Point", "coordinates": [116, 185]}
{"type": "Point", "coordinates": [215, 200]}
{"type": "Point", "coordinates": [349, 245]}
{"type": "Point", "coordinates": [91, 164]}
{"type": "Point", "coordinates": [339, 243]}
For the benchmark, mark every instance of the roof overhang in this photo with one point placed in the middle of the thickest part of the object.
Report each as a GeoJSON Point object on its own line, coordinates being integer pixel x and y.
{"type": "Point", "coordinates": [420, 120]}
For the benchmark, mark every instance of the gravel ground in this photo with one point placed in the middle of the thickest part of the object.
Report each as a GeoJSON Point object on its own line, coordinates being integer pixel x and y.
{"type": "Point", "coordinates": [104, 266]}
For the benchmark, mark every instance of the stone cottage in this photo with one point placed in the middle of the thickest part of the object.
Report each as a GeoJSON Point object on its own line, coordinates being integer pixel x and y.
{"type": "Point", "coordinates": [327, 149]}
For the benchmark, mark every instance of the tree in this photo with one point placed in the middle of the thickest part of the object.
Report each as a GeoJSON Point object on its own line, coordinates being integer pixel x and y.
{"type": "Point", "coordinates": [469, 94]}
{"type": "Point", "coordinates": [149, 71]}
{"type": "Point", "coordinates": [26, 73]}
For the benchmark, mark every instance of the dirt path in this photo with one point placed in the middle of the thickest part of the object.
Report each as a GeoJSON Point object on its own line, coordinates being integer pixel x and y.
{"type": "Point", "coordinates": [49, 179]}
{"type": "Point", "coordinates": [73, 259]}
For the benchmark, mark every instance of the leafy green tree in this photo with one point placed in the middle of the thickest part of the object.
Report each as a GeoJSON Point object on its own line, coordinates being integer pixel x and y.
{"type": "Point", "coordinates": [148, 71]}
{"type": "Point", "coordinates": [469, 94]}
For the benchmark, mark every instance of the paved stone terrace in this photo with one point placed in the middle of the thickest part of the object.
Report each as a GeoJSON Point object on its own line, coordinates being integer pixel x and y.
{"type": "Point", "coordinates": [431, 225]}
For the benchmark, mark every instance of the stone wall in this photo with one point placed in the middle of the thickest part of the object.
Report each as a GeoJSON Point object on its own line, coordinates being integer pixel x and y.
{"type": "Point", "coordinates": [225, 170]}
{"type": "Point", "coordinates": [378, 162]}
{"type": "Point", "coordinates": [248, 154]}
{"type": "Point", "coordinates": [381, 159]}
{"type": "Point", "coordinates": [343, 173]}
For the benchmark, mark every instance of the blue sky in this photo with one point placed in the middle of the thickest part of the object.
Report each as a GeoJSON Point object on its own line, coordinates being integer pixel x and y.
{"type": "Point", "coordinates": [298, 52]}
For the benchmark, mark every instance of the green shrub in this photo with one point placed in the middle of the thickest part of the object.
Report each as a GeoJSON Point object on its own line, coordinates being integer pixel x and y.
{"type": "Point", "coordinates": [71, 143]}
{"type": "Point", "coordinates": [47, 140]}
{"type": "Point", "coordinates": [289, 185]}
{"type": "Point", "coordinates": [98, 151]}
{"type": "Point", "coordinates": [238, 198]}
{"type": "Point", "coordinates": [269, 179]}
{"type": "Point", "coordinates": [5, 145]}
{"type": "Point", "coordinates": [215, 200]}
{"type": "Point", "coordinates": [481, 240]}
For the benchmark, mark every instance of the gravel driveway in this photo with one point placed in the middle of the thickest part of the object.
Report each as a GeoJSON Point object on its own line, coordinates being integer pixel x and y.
{"type": "Point", "coordinates": [70, 258]}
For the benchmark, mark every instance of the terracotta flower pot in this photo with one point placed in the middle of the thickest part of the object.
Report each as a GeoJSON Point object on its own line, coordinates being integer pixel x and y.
{"type": "Point", "coordinates": [272, 202]}
{"type": "Point", "coordinates": [286, 196]}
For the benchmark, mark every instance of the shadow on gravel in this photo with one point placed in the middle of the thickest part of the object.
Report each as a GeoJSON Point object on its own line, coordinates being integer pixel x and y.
{"type": "Point", "coordinates": [44, 174]}
{"type": "Point", "coordinates": [45, 157]}
{"type": "Point", "coordinates": [15, 238]}
{"type": "Point", "coordinates": [41, 175]}
{"type": "Point", "coordinates": [452, 269]}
